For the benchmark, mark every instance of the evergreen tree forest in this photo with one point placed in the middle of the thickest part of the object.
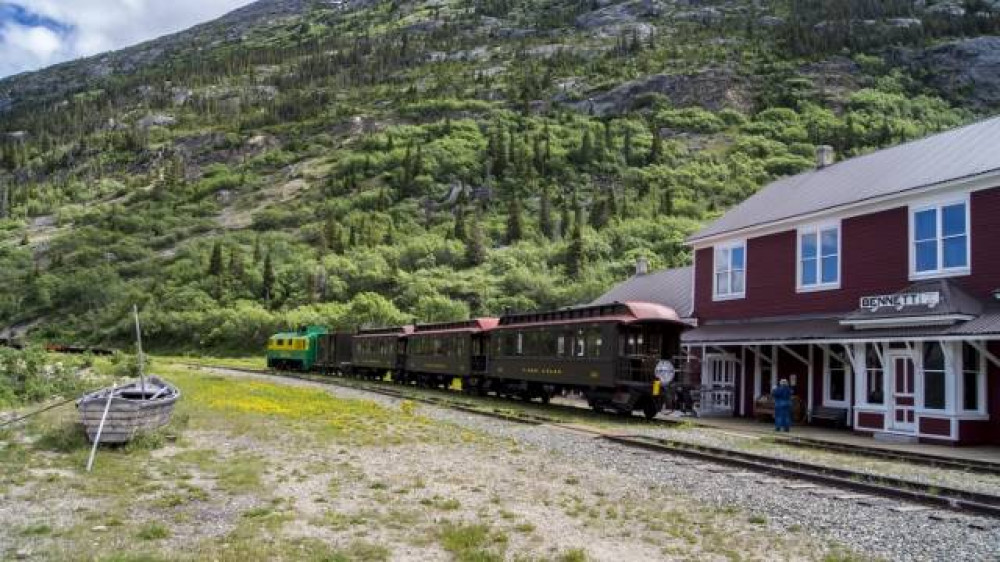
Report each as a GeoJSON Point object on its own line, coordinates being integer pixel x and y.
{"type": "Point", "coordinates": [379, 162]}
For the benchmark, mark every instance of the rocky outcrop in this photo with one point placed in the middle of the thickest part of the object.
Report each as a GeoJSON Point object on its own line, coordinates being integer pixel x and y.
{"type": "Point", "coordinates": [712, 89]}
{"type": "Point", "coordinates": [620, 13]}
{"type": "Point", "coordinates": [156, 120]}
{"type": "Point", "coordinates": [968, 70]}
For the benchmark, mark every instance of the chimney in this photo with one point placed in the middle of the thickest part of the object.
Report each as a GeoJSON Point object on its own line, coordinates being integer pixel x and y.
{"type": "Point", "coordinates": [641, 266]}
{"type": "Point", "coordinates": [824, 156]}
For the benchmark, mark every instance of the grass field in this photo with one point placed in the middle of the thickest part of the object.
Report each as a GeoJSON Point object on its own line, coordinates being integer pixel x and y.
{"type": "Point", "coordinates": [253, 470]}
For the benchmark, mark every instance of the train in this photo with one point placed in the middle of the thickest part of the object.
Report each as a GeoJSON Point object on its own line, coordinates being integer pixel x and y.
{"type": "Point", "coordinates": [613, 354]}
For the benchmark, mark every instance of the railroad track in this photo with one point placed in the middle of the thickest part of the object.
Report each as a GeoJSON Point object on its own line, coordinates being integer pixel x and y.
{"type": "Point", "coordinates": [861, 485]}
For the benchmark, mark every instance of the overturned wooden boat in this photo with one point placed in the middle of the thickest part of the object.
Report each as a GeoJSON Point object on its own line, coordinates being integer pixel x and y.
{"type": "Point", "coordinates": [127, 410]}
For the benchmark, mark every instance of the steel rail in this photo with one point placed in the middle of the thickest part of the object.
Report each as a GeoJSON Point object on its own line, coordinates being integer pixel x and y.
{"type": "Point", "coordinates": [955, 499]}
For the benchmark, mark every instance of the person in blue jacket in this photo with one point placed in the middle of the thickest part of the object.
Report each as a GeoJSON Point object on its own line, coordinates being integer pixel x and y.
{"type": "Point", "coordinates": [782, 395]}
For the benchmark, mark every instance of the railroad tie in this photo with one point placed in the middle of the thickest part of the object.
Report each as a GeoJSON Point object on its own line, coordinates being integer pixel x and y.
{"type": "Point", "coordinates": [944, 516]}
{"type": "Point", "coordinates": [910, 508]}
{"type": "Point", "coordinates": [801, 486]}
{"type": "Point", "coordinates": [874, 501]}
{"type": "Point", "coordinates": [853, 497]}
{"type": "Point", "coordinates": [826, 492]}
{"type": "Point", "coordinates": [771, 481]}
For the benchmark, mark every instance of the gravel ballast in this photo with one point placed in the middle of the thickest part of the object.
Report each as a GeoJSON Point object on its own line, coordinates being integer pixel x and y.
{"type": "Point", "coordinates": [876, 530]}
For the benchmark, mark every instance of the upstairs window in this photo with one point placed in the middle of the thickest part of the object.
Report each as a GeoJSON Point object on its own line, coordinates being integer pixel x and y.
{"type": "Point", "coordinates": [939, 239]}
{"type": "Point", "coordinates": [730, 271]}
{"type": "Point", "coordinates": [819, 258]}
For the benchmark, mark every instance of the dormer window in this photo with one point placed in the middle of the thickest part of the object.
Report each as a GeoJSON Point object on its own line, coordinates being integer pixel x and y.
{"type": "Point", "coordinates": [819, 257]}
{"type": "Point", "coordinates": [939, 239]}
{"type": "Point", "coordinates": [730, 271]}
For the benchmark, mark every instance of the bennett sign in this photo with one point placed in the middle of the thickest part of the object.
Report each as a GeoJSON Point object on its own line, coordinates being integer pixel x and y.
{"type": "Point", "coordinates": [900, 301]}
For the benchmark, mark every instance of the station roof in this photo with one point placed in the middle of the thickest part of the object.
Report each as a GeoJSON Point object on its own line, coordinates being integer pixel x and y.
{"type": "Point", "coordinates": [962, 153]}
{"type": "Point", "coordinates": [672, 288]}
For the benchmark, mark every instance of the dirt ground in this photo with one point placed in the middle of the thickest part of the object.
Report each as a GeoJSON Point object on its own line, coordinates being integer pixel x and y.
{"type": "Point", "coordinates": [252, 470]}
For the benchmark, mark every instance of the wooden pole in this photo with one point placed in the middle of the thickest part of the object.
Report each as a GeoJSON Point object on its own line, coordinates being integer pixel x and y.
{"type": "Point", "coordinates": [138, 340]}
{"type": "Point", "coordinates": [100, 429]}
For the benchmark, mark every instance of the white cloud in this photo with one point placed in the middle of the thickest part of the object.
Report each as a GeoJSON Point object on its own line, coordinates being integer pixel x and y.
{"type": "Point", "coordinates": [89, 27]}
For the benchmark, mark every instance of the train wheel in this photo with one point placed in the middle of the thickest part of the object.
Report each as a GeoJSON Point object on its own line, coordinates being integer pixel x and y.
{"type": "Point", "coordinates": [650, 410]}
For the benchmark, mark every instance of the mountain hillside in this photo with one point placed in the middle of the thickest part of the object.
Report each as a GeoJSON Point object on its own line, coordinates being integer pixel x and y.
{"type": "Point", "coordinates": [360, 162]}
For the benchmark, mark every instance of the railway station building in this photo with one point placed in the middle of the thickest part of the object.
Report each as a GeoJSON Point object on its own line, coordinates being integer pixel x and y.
{"type": "Point", "coordinates": [871, 284]}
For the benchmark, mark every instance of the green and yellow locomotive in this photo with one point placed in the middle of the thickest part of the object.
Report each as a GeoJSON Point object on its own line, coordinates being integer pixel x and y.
{"type": "Point", "coordinates": [294, 350]}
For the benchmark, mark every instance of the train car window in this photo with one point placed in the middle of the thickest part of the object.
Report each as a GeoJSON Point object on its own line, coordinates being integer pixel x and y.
{"type": "Point", "coordinates": [594, 342]}
{"type": "Point", "coordinates": [561, 346]}
{"type": "Point", "coordinates": [581, 345]}
{"type": "Point", "coordinates": [520, 343]}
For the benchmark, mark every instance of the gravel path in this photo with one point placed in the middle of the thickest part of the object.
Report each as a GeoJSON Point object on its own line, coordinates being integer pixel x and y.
{"type": "Point", "coordinates": [876, 530]}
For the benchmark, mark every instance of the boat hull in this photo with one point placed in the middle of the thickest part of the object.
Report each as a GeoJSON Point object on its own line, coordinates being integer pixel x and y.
{"type": "Point", "coordinates": [130, 412]}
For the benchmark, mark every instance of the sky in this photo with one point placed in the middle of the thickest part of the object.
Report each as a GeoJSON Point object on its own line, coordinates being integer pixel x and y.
{"type": "Point", "coordinates": [38, 33]}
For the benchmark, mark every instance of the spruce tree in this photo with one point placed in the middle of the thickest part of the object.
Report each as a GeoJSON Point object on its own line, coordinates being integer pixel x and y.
{"type": "Point", "coordinates": [627, 146]}
{"type": "Point", "coordinates": [236, 264]}
{"type": "Point", "coordinates": [565, 219]}
{"type": "Point", "coordinates": [460, 229]}
{"type": "Point", "coordinates": [267, 281]}
{"type": "Point", "coordinates": [545, 215]}
{"type": "Point", "coordinates": [215, 262]}
{"type": "Point", "coordinates": [475, 248]}
{"type": "Point", "coordinates": [586, 153]}
{"type": "Point", "coordinates": [515, 220]}
{"type": "Point", "coordinates": [656, 149]}
{"type": "Point", "coordinates": [574, 253]}
{"type": "Point", "coordinates": [598, 214]}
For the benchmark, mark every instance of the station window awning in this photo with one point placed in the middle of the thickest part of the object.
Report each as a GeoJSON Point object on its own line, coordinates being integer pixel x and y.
{"type": "Point", "coordinates": [986, 326]}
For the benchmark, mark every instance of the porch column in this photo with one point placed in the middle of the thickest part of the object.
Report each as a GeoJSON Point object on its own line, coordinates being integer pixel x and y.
{"type": "Point", "coordinates": [810, 374]}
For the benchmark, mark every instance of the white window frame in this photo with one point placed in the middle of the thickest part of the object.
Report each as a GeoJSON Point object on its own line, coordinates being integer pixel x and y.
{"type": "Point", "coordinates": [716, 296]}
{"type": "Point", "coordinates": [937, 205]}
{"type": "Point", "coordinates": [828, 355]}
{"type": "Point", "coordinates": [817, 229]}
{"type": "Point", "coordinates": [918, 352]}
{"type": "Point", "coordinates": [981, 369]}
{"type": "Point", "coordinates": [862, 389]}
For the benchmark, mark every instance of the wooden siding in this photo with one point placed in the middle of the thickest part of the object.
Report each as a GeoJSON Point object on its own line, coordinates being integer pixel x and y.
{"type": "Point", "coordinates": [874, 260]}
{"type": "Point", "coordinates": [935, 426]}
{"type": "Point", "coordinates": [870, 420]}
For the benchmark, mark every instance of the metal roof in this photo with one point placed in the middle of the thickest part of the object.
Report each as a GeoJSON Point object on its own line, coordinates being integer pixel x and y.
{"type": "Point", "coordinates": [960, 153]}
{"type": "Point", "coordinates": [667, 287]}
{"type": "Point", "coordinates": [830, 329]}
{"type": "Point", "coordinates": [618, 312]}
{"type": "Point", "coordinates": [954, 301]}
{"type": "Point", "coordinates": [474, 325]}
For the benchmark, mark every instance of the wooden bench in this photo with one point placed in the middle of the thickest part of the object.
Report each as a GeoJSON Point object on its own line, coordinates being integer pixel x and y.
{"type": "Point", "coordinates": [763, 408]}
{"type": "Point", "coordinates": [837, 417]}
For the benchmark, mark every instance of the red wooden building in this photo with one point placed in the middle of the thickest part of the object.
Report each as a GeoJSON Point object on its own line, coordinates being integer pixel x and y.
{"type": "Point", "coordinates": [872, 284]}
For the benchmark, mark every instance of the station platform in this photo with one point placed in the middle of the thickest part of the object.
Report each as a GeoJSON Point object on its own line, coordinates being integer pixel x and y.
{"type": "Point", "coordinates": [748, 426]}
